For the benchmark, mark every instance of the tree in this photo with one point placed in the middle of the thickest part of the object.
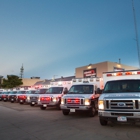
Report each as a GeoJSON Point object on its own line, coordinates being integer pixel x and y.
{"type": "Point", "coordinates": [11, 81]}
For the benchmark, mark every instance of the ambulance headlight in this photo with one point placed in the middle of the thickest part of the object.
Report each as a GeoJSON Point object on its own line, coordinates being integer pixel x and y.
{"type": "Point", "coordinates": [87, 101]}
{"type": "Point", "coordinates": [62, 101]}
{"type": "Point", "coordinates": [101, 104]}
{"type": "Point", "coordinates": [54, 99]}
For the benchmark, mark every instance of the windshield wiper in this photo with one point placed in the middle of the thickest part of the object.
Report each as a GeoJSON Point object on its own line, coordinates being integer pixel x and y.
{"type": "Point", "coordinates": [110, 91]}
{"type": "Point", "coordinates": [71, 93]}
{"type": "Point", "coordinates": [128, 90]}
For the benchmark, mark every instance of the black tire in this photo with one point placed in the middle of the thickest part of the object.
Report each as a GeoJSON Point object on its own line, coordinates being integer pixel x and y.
{"type": "Point", "coordinates": [92, 112]}
{"type": "Point", "coordinates": [32, 105]}
{"type": "Point", "coordinates": [58, 107]}
{"type": "Point", "coordinates": [103, 122]}
{"type": "Point", "coordinates": [21, 103]}
{"type": "Point", "coordinates": [65, 112]}
{"type": "Point", "coordinates": [12, 101]}
{"type": "Point", "coordinates": [42, 107]}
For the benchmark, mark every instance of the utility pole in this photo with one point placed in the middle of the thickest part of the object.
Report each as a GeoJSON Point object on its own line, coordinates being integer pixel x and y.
{"type": "Point", "coordinates": [137, 41]}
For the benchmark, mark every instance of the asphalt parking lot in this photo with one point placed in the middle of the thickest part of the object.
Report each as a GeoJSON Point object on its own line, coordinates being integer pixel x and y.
{"type": "Point", "coordinates": [23, 122]}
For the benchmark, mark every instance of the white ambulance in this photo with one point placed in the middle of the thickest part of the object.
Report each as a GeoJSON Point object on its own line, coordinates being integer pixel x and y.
{"type": "Point", "coordinates": [120, 99]}
{"type": "Point", "coordinates": [52, 97]}
{"type": "Point", "coordinates": [82, 96]}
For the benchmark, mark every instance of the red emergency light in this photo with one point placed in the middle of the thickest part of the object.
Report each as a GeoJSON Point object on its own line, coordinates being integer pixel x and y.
{"type": "Point", "coordinates": [128, 73]}
{"type": "Point", "coordinates": [22, 97]}
{"type": "Point", "coordinates": [119, 74]}
{"type": "Point", "coordinates": [109, 74]}
{"type": "Point", "coordinates": [45, 98]}
{"type": "Point", "coordinates": [69, 100]}
{"type": "Point", "coordinates": [138, 72]}
{"type": "Point", "coordinates": [77, 100]}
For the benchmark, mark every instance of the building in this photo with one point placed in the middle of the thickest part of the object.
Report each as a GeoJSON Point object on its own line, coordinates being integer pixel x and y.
{"type": "Point", "coordinates": [91, 70]}
{"type": "Point", "coordinates": [96, 70]}
{"type": "Point", "coordinates": [54, 82]}
{"type": "Point", "coordinates": [29, 82]}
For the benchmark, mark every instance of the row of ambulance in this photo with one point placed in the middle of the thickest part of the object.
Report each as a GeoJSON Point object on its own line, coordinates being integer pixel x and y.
{"type": "Point", "coordinates": [115, 97]}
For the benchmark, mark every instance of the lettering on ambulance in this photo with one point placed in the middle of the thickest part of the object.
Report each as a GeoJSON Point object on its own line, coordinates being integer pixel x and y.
{"type": "Point", "coordinates": [89, 73]}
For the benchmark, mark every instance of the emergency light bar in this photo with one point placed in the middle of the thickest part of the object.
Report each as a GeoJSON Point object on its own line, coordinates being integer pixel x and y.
{"type": "Point", "coordinates": [86, 80]}
{"type": "Point", "coordinates": [122, 73]}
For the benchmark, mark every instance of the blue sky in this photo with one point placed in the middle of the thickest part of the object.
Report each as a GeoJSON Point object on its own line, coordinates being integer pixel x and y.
{"type": "Point", "coordinates": [53, 37]}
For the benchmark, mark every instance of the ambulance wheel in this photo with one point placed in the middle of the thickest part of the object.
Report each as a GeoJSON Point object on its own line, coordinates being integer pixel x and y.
{"type": "Point", "coordinates": [103, 122]}
{"type": "Point", "coordinates": [65, 112]}
{"type": "Point", "coordinates": [92, 111]}
{"type": "Point", "coordinates": [21, 103]}
{"type": "Point", "coordinates": [42, 107]}
{"type": "Point", "coordinates": [58, 107]}
{"type": "Point", "coordinates": [31, 104]}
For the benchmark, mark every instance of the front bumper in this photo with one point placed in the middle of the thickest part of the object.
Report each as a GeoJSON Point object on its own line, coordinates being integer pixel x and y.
{"type": "Point", "coordinates": [48, 103]}
{"type": "Point", "coordinates": [5, 99]}
{"type": "Point", "coordinates": [12, 99]}
{"type": "Point", "coordinates": [28, 101]}
{"type": "Point", "coordinates": [21, 100]}
{"type": "Point", "coordinates": [75, 107]}
{"type": "Point", "coordinates": [114, 115]}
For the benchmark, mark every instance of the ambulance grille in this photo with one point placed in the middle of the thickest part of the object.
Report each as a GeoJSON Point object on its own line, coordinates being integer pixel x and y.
{"type": "Point", "coordinates": [122, 104]}
{"type": "Point", "coordinates": [76, 101]}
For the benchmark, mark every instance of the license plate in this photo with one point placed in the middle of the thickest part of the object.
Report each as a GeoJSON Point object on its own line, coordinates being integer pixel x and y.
{"type": "Point", "coordinates": [33, 103]}
{"type": "Point", "coordinates": [4, 98]}
{"type": "Point", "coordinates": [44, 105]}
{"type": "Point", "coordinates": [72, 110]}
{"type": "Point", "coordinates": [21, 100]}
{"type": "Point", "coordinates": [122, 119]}
{"type": "Point", "coordinates": [12, 99]}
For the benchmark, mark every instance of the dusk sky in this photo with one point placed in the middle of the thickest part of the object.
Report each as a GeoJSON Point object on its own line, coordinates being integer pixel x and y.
{"type": "Point", "coordinates": [53, 37]}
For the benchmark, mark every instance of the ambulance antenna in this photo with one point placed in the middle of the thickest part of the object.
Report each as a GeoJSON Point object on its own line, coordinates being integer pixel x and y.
{"type": "Point", "coordinates": [137, 41]}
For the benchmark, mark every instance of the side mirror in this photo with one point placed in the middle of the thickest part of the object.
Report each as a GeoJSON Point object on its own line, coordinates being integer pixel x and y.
{"type": "Point", "coordinates": [99, 91]}
{"type": "Point", "coordinates": [65, 91]}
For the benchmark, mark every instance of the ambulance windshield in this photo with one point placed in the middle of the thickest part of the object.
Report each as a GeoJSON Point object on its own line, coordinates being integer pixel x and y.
{"type": "Point", "coordinates": [81, 89]}
{"type": "Point", "coordinates": [122, 86]}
